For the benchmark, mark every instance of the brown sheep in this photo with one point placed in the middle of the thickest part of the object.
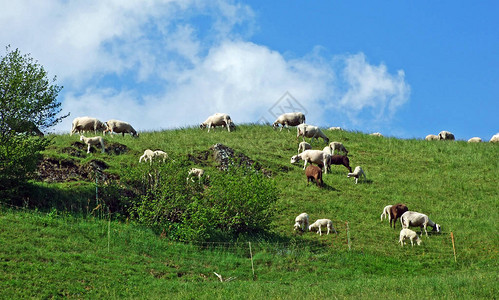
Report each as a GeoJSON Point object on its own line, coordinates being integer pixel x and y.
{"type": "Point", "coordinates": [396, 211]}
{"type": "Point", "coordinates": [314, 173]}
{"type": "Point", "coordinates": [340, 160]}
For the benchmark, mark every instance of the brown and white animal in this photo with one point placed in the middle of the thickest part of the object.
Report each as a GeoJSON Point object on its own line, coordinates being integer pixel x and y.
{"type": "Point", "coordinates": [312, 156]}
{"type": "Point", "coordinates": [337, 146]}
{"type": "Point", "coordinates": [475, 140]}
{"type": "Point", "coordinates": [386, 212]}
{"type": "Point", "coordinates": [303, 146]}
{"type": "Point", "coordinates": [406, 233]}
{"type": "Point", "coordinates": [395, 212]}
{"type": "Point", "coordinates": [431, 137]}
{"type": "Point", "coordinates": [82, 124]}
{"type": "Point", "coordinates": [289, 119]}
{"type": "Point", "coordinates": [446, 135]}
{"type": "Point", "coordinates": [301, 222]}
{"type": "Point", "coordinates": [218, 119]}
{"type": "Point", "coordinates": [340, 160]}
{"type": "Point", "coordinates": [93, 141]}
{"type": "Point", "coordinates": [314, 173]}
{"type": "Point", "coordinates": [415, 219]}
{"type": "Point", "coordinates": [317, 225]}
{"type": "Point", "coordinates": [117, 126]}
{"type": "Point", "coordinates": [358, 172]}
{"type": "Point", "coordinates": [310, 131]}
{"type": "Point", "coordinates": [195, 172]}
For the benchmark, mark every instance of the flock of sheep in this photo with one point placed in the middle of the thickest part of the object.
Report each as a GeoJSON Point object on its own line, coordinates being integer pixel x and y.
{"type": "Point", "coordinates": [322, 158]}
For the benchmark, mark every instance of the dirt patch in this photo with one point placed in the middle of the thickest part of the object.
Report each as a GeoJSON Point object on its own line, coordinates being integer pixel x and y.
{"type": "Point", "coordinates": [79, 149]}
{"type": "Point", "coordinates": [62, 170]}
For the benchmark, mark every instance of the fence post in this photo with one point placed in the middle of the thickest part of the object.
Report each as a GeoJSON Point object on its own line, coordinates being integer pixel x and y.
{"type": "Point", "coordinates": [251, 256]}
{"type": "Point", "coordinates": [453, 246]}
{"type": "Point", "coordinates": [108, 230]}
{"type": "Point", "coordinates": [348, 237]}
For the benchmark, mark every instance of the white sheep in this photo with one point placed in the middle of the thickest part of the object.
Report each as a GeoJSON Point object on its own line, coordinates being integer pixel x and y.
{"type": "Point", "coordinates": [431, 137]}
{"type": "Point", "coordinates": [289, 119]}
{"type": "Point", "coordinates": [475, 140]}
{"type": "Point", "coordinates": [494, 138]}
{"type": "Point", "coordinates": [310, 131]}
{"type": "Point", "coordinates": [357, 172]}
{"type": "Point", "coordinates": [161, 154]}
{"type": "Point", "coordinates": [415, 219]}
{"type": "Point", "coordinates": [117, 126]}
{"type": "Point", "coordinates": [301, 222]}
{"type": "Point", "coordinates": [317, 225]}
{"type": "Point", "coordinates": [386, 212]}
{"type": "Point", "coordinates": [337, 146]}
{"type": "Point", "coordinates": [82, 124]}
{"type": "Point", "coordinates": [446, 135]}
{"type": "Point", "coordinates": [376, 134]}
{"type": "Point", "coordinates": [195, 172]}
{"type": "Point", "coordinates": [335, 128]}
{"type": "Point", "coordinates": [96, 140]}
{"type": "Point", "coordinates": [303, 146]}
{"type": "Point", "coordinates": [410, 235]}
{"type": "Point", "coordinates": [218, 119]}
{"type": "Point", "coordinates": [313, 156]}
{"type": "Point", "coordinates": [327, 149]}
{"type": "Point", "coordinates": [148, 155]}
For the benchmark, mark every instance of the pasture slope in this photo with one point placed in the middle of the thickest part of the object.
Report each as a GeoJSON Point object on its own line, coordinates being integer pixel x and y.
{"type": "Point", "coordinates": [51, 253]}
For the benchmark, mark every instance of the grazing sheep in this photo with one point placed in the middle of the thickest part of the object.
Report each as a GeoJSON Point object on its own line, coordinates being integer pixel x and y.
{"type": "Point", "coordinates": [340, 160]}
{"type": "Point", "coordinates": [376, 134]}
{"type": "Point", "coordinates": [289, 119]}
{"type": "Point", "coordinates": [161, 154]}
{"type": "Point", "coordinates": [445, 135]}
{"type": "Point", "coordinates": [335, 128]}
{"type": "Point", "coordinates": [431, 137]}
{"type": "Point", "coordinates": [148, 155]}
{"type": "Point", "coordinates": [312, 156]}
{"type": "Point", "coordinates": [494, 138]}
{"type": "Point", "coordinates": [337, 146]}
{"type": "Point", "coordinates": [396, 211]}
{"type": "Point", "coordinates": [117, 126]}
{"type": "Point", "coordinates": [301, 222]}
{"type": "Point", "coordinates": [195, 172]}
{"type": "Point", "coordinates": [415, 219]}
{"type": "Point", "coordinates": [386, 212]}
{"type": "Point", "coordinates": [82, 124]}
{"type": "Point", "coordinates": [303, 146]}
{"type": "Point", "coordinates": [410, 235]}
{"type": "Point", "coordinates": [475, 140]}
{"type": "Point", "coordinates": [218, 119]}
{"type": "Point", "coordinates": [314, 173]}
{"type": "Point", "coordinates": [310, 131]}
{"type": "Point", "coordinates": [358, 172]}
{"type": "Point", "coordinates": [96, 140]}
{"type": "Point", "coordinates": [317, 225]}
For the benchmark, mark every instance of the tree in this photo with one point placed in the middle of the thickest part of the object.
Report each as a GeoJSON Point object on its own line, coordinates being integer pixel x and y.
{"type": "Point", "coordinates": [28, 105]}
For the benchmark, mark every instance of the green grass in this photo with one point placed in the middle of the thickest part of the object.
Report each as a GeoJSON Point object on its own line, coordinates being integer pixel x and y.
{"type": "Point", "coordinates": [57, 254]}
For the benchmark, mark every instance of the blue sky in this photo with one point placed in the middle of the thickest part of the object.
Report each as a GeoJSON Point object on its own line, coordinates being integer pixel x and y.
{"type": "Point", "coordinates": [402, 68]}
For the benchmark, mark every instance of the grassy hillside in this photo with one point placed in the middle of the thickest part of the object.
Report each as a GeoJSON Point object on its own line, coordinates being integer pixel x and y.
{"type": "Point", "coordinates": [454, 183]}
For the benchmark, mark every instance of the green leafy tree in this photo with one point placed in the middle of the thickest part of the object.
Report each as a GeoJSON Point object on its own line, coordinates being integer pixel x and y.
{"type": "Point", "coordinates": [28, 105]}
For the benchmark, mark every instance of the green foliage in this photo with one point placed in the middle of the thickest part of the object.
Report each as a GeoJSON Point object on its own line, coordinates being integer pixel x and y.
{"type": "Point", "coordinates": [27, 103]}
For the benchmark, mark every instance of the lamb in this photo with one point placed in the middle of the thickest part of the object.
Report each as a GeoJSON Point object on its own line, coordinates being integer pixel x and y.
{"type": "Point", "coordinates": [337, 146]}
{"type": "Point", "coordinates": [376, 134]}
{"type": "Point", "coordinates": [445, 135]}
{"type": "Point", "coordinates": [96, 140]}
{"type": "Point", "coordinates": [289, 119]}
{"type": "Point", "coordinates": [301, 222]}
{"type": "Point", "coordinates": [303, 146]}
{"type": "Point", "coordinates": [494, 138]}
{"type": "Point", "coordinates": [415, 219]}
{"type": "Point", "coordinates": [314, 173]}
{"type": "Point", "coordinates": [406, 233]}
{"type": "Point", "coordinates": [218, 119]}
{"type": "Point", "coordinates": [340, 160]}
{"type": "Point", "coordinates": [317, 225]}
{"type": "Point", "coordinates": [396, 211]}
{"type": "Point", "coordinates": [475, 140]}
{"type": "Point", "coordinates": [336, 128]}
{"type": "Point", "coordinates": [117, 126]}
{"type": "Point", "coordinates": [386, 212]}
{"type": "Point", "coordinates": [148, 155]}
{"type": "Point", "coordinates": [431, 137]}
{"type": "Point", "coordinates": [161, 154]}
{"type": "Point", "coordinates": [312, 156]}
{"type": "Point", "coordinates": [82, 124]}
{"type": "Point", "coordinates": [358, 172]}
{"type": "Point", "coordinates": [195, 172]}
{"type": "Point", "coordinates": [310, 131]}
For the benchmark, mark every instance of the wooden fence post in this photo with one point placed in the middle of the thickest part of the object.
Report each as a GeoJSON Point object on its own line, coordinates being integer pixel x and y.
{"type": "Point", "coordinates": [348, 237]}
{"type": "Point", "coordinates": [252, 266]}
{"type": "Point", "coordinates": [453, 246]}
